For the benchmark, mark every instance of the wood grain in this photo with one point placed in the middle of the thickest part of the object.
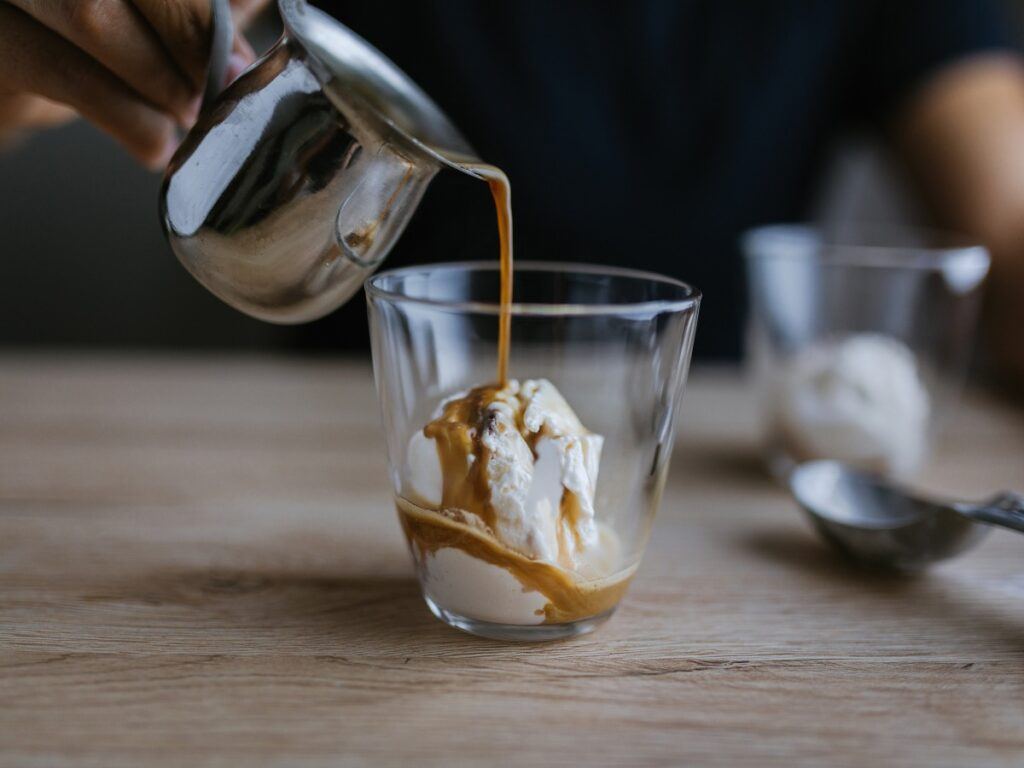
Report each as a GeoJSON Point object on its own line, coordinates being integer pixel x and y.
{"type": "Point", "coordinates": [200, 565]}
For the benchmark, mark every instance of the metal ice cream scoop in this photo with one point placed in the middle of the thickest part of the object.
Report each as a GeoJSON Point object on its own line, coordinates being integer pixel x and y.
{"type": "Point", "coordinates": [298, 179]}
{"type": "Point", "coordinates": [874, 521]}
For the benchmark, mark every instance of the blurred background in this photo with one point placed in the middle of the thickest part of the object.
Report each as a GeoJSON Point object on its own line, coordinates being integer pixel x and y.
{"type": "Point", "coordinates": [84, 264]}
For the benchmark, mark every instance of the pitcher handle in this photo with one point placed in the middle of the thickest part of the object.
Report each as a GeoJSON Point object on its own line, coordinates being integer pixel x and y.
{"type": "Point", "coordinates": [222, 35]}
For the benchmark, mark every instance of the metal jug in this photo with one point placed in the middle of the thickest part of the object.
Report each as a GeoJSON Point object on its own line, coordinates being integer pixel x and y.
{"type": "Point", "coordinates": [298, 179]}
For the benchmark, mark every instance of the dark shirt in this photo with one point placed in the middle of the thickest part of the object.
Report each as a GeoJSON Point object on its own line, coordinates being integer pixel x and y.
{"type": "Point", "coordinates": [651, 133]}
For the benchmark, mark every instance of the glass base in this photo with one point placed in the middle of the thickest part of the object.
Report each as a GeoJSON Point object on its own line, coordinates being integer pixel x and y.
{"type": "Point", "coordinates": [530, 633]}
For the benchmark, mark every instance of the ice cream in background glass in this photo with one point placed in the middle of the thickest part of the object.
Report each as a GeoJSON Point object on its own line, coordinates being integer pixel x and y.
{"type": "Point", "coordinates": [858, 344]}
{"type": "Point", "coordinates": [527, 503]}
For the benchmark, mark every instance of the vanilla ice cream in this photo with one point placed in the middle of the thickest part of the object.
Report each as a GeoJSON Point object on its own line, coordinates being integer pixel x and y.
{"type": "Point", "coordinates": [513, 472]}
{"type": "Point", "coordinates": [859, 399]}
{"type": "Point", "coordinates": [540, 470]}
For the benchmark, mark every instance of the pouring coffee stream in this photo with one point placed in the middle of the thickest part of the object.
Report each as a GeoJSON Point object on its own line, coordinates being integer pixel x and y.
{"type": "Point", "coordinates": [501, 190]}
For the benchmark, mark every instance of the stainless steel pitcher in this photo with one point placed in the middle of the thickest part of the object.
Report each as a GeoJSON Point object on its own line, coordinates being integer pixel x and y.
{"type": "Point", "coordinates": [298, 179]}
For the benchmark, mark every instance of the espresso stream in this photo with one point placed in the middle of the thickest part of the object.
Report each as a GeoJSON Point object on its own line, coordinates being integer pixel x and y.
{"type": "Point", "coordinates": [464, 457]}
{"type": "Point", "coordinates": [501, 191]}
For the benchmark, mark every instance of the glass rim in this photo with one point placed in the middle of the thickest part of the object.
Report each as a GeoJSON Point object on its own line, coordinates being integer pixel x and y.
{"type": "Point", "coordinates": [534, 309]}
{"type": "Point", "coordinates": [855, 251]}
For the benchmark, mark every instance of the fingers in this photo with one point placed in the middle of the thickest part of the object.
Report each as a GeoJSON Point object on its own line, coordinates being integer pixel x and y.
{"type": "Point", "coordinates": [116, 35]}
{"type": "Point", "coordinates": [20, 112]}
{"type": "Point", "coordinates": [183, 27]}
{"type": "Point", "coordinates": [26, 110]}
{"type": "Point", "coordinates": [38, 60]}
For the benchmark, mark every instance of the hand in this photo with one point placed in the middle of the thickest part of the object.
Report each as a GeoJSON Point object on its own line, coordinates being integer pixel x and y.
{"type": "Point", "coordinates": [134, 68]}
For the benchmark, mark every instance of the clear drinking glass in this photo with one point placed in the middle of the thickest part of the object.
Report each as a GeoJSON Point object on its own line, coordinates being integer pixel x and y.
{"type": "Point", "coordinates": [616, 343]}
{"type": "Point", "coordinates": [858, 345]}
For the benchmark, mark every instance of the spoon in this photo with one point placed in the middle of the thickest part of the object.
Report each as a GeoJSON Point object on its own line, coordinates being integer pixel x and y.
{"type": "Point", "coordinates": [879, 523]}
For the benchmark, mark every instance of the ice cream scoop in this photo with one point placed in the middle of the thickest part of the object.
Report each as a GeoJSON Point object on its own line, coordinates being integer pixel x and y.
{"type": "Point", "coordinates": [497, 504]}
{"type": "Point", "coordinates": [858, 399]}
{"type": "Point", "coordinates": [515, 460]}
{"type": "Point", "coordinates": [880, 523]}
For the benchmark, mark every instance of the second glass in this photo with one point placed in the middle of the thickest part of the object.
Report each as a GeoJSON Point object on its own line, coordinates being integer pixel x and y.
{"type": "Point", "coordinates": [858, 344]}
{"type": "Point", "coordinates": [605, 351]}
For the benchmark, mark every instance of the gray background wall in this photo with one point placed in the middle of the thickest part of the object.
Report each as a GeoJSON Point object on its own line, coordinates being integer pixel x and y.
{"type": "Point", "coordinates": [83, 260]}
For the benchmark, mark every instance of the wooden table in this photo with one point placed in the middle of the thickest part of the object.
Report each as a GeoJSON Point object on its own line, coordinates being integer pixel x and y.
{"type": "Point", "coordinates": [200, 564]}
